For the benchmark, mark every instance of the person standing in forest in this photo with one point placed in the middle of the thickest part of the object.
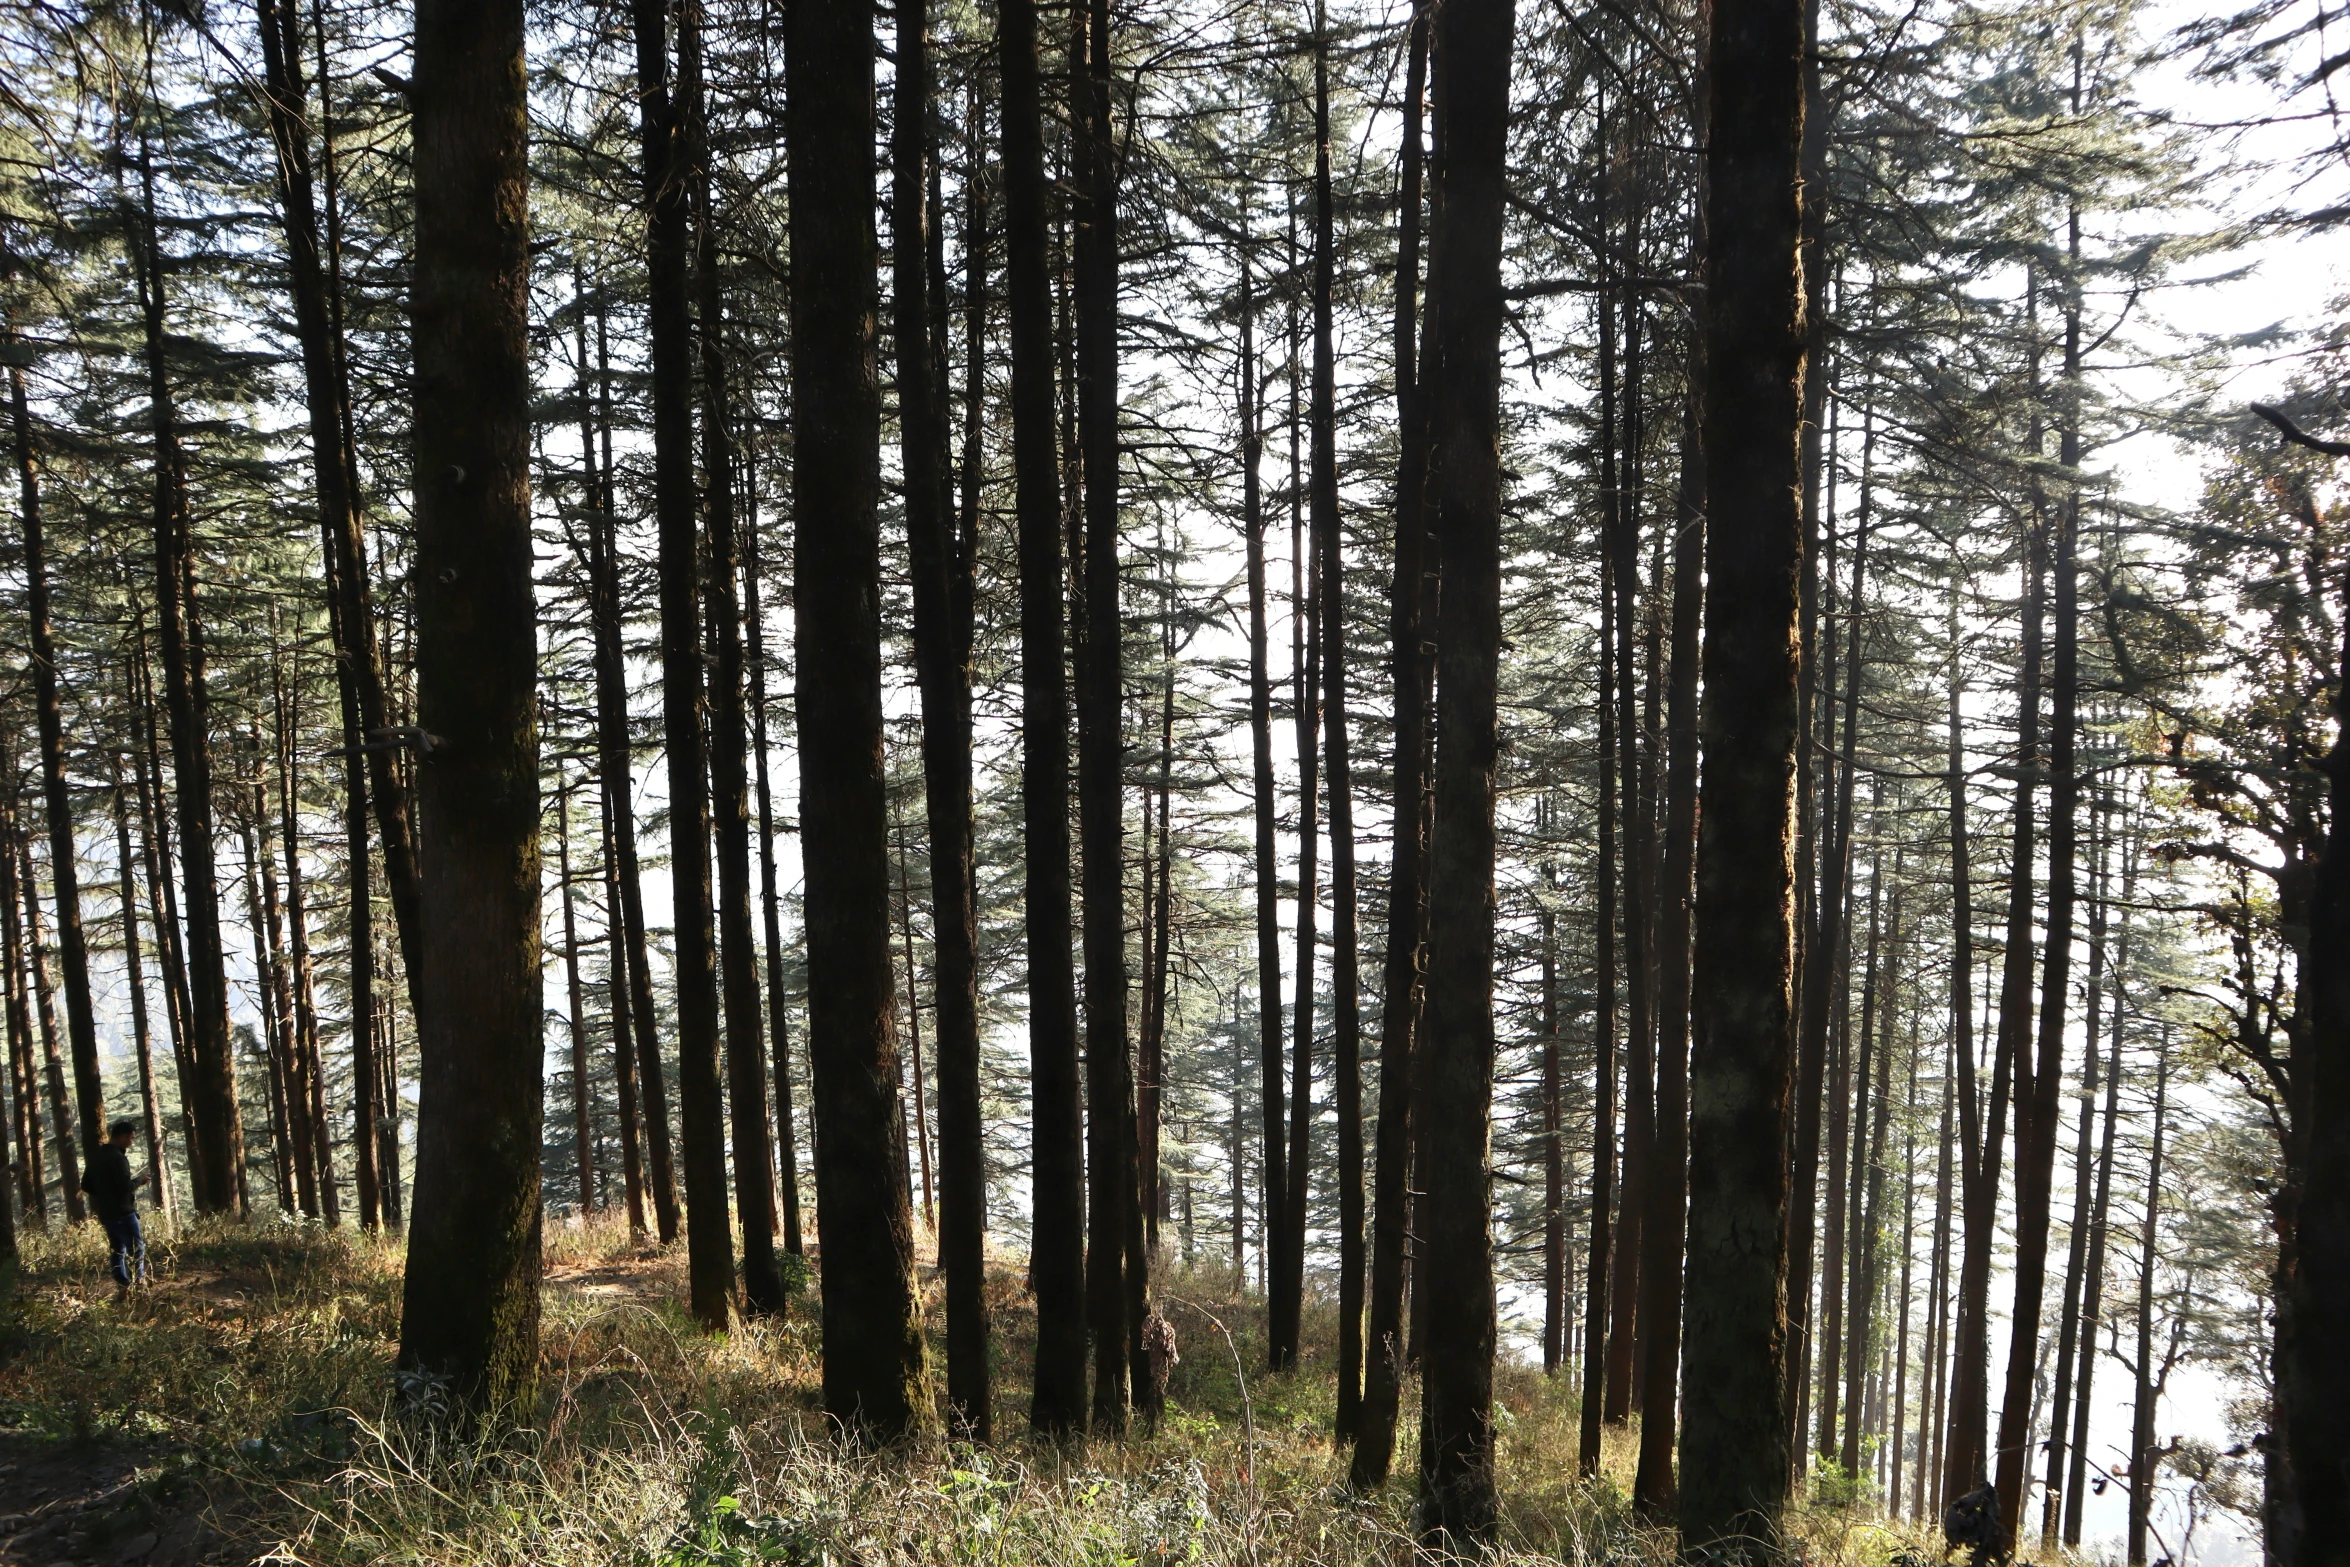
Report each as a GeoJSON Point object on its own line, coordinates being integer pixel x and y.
{"type": "Point", "coordinates": [114, 1202]}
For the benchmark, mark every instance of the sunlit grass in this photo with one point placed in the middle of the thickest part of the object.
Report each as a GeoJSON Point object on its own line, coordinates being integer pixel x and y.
{"type": "Point", "coordinates": [263, 1356]}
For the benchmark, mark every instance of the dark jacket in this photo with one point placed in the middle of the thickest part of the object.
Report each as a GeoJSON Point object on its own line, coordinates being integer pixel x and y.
{"type": "Point", "coordinates": [107, 1179]}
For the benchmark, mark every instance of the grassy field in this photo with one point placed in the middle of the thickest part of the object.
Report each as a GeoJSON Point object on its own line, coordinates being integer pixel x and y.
{"type": "Point", "coordinates": [243, 1408]}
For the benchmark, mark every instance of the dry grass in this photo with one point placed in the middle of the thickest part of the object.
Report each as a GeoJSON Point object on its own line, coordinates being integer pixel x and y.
{"type": "Point", "coordinates": [262, 1356]}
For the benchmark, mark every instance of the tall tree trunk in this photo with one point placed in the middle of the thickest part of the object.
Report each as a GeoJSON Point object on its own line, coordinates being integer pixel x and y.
{"type": "Point", "coordinates": [142, 1034]}
{"type": "Point", "coordinates": [318, 1138]}
{"type": "Point", "coordinates": [213, 1108]}
{"type": "Point", "coordinates": [2068, 1333]}
{"type": "Point", "coordinates": [1057, 1252]}
{"type": "Point", "coordinates": [616, 976]}
{"type": "Point", "coordinates": [24, 1091]}
{"type": "Point", "coordinates": [1158, 928]}
{"type": "Point", "coordinates": [1408, 672]}
{"type": "Point", "coordinates": [671, 162]}
{"type": "Point", "coordinates": [1345, 965]}
{"type": "Point", "coordinates": [728, 737]}
{"type": "Point", "coordinates": [919, 1146]}
{"type": "Point", "coordinates": [1109, 1086]}
{"type": "Point", "coordinates": [272, 1044]}
{"type": "Point", "coordinates": [73, 955]}
{"type": "Point", "coordinates": [1831, 977]}
{"type": "Point", "coordinates": [326, 396]}
{"type": "Point", "coordinates": [616, 762]}
{"type": "Point", "coordinates": [1868, 1174]}
{"type": "Point", "coordinates": [1966, 1460]}
{"type": "Point", "coordinates": [2093, 1294]}
{"type": "Point", "coordinates": [286, 1037]}
{"type": "Point", "coordinates": [778, 1014]}
{"type": "Point", "coordinates": [162, 902]}
{"type": "Point", "coordinates": [2144, 1459]}
{"type": "Point", "coordinates": [2039, 1106]}
{"type": "Point", "coordinates": [1285, 1297]}
{"type": "Point", "coordinates": [1664, 1228]}
{"type": "Point", "coordinates": [61, 1116]}
{"type": "Point", "coordinates": [874, 1373]}
{"type": "Point", "coordinates": [1637, 824]}
{"type": "Point", "coordinates": [1894, 1458]}
{"type": "Point", "coordinates": [1472, 53]}
{"type": "Point", "coordinates": [1554, 1205]}
{"type": "Point", "coordinates": [1271, 1226]}
{"type": "Point", "coordinates": [1735, 1467]}
{"type": "Point", "coordinates": [471, 1306]}
{"type": "Point", "coordinates": [943, 585]}
{"type": "Point", "coordinates": [2313, 1362]}
{"type": "Point", "coordinates": [583, 1137]}
{"type": "Point", "coordinates": [387, 1094]}
{"type": "Point", "coordinates": [358, 923]}
{"type": "Point", "coordinates": [1604, 1254]}
{"type": "Point", "coordinates": [1621, 778]}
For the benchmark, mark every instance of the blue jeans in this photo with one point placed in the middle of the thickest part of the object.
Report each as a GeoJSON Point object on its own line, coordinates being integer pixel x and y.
{"type": "Point", "coordinates": [128, 1246]}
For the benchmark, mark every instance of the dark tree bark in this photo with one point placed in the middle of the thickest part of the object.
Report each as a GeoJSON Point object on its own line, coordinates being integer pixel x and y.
{"type": "Point", "coordinates": [319, 1139]}
{"type": "Point", "coordinates": [1408, 674]}
{"type": "Point", "coordinates": [20, 1141]}
{"type": "Point", "coordinates": [1057, 1252]}
{"type": "Point", "coordinates": [1665, 1225]}
{"type": "Point", "coordinates": [471, 1307]}
{"type": "Point", "coordinates": [1598, 1280]}
{"type": "Point", "coordinates": [162, 902]}
{"type": "Point", "coordinates": [212, 1107]}
{"type": "Point", "coordinates": [1735, 1467]}
{"type": "Point", "coordinates": [583, 1138]}
{"type": "Point", "coordinates": [327, 399]}
{"type": "Point", "coordinates": [1554, 1172]}
{"type": "Point", "coordinates": [2039, 1106]}
{"type": "Point", "coordinates": [670, 158]}
{"type": "Point", "coordinates": [1622, 541]}
{"type": "Point", "coordinates": [616, 970]}
{"type": "Point", "coordinates": [2068, 1333]}
{"type": "Point", "coordinates": [874, 1373]}
{"type": "Point", "coordinates": [2144, 1458]}
{"type": "Point", "coordinates": [142, 1033]}
{"type": "Point", "coordinates": [1109, 1086]}
{"type": "Point", "coordinates": [1275, 1165]}
{"type": "Point", "coordinates": [616, 761]}
{"type": "Point", "coordinates": [1967, 1462]}
{"type": "Point", "coordinates": [359, 918]}
{"type": "Point", "coordinates": [943, 583]}
{"type": "Point", "coordinates": [287, 1034]}
{"type": "Point", "coordinates": [61, 1116]}
{"type": "Point", "coordinates": [1868, 1182]}
{"type": "Point", "coordinates": [1286, 1281]}
{"type": "Point", "coordinates": [1472, 53]}
{"type": "Point", "coordinates": [1829, 985]}
{"type": "Point", "coordinates": [728, 737]}
{"type": "Point", "coordinates": [2093, 1295]}
{"type": "Point", "coordinates": [778, 1013]}
{"type": "Point", "coordinates": [2312, 1357]}
{"type": "Point", "coordinates": [24, 1095]}
{"type": "Point", "coordinates": [73, 954]}
{"type": "Point", "coordinates": [269, 979]}
{"type": "Point", "coordinates": [387, 1094]}
{"type": "Point", "coordinates": [1346, 1029]}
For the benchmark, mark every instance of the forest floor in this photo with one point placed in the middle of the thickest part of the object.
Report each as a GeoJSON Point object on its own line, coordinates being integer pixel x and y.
{"type": "Point", "coordinates": [242, 1408]}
